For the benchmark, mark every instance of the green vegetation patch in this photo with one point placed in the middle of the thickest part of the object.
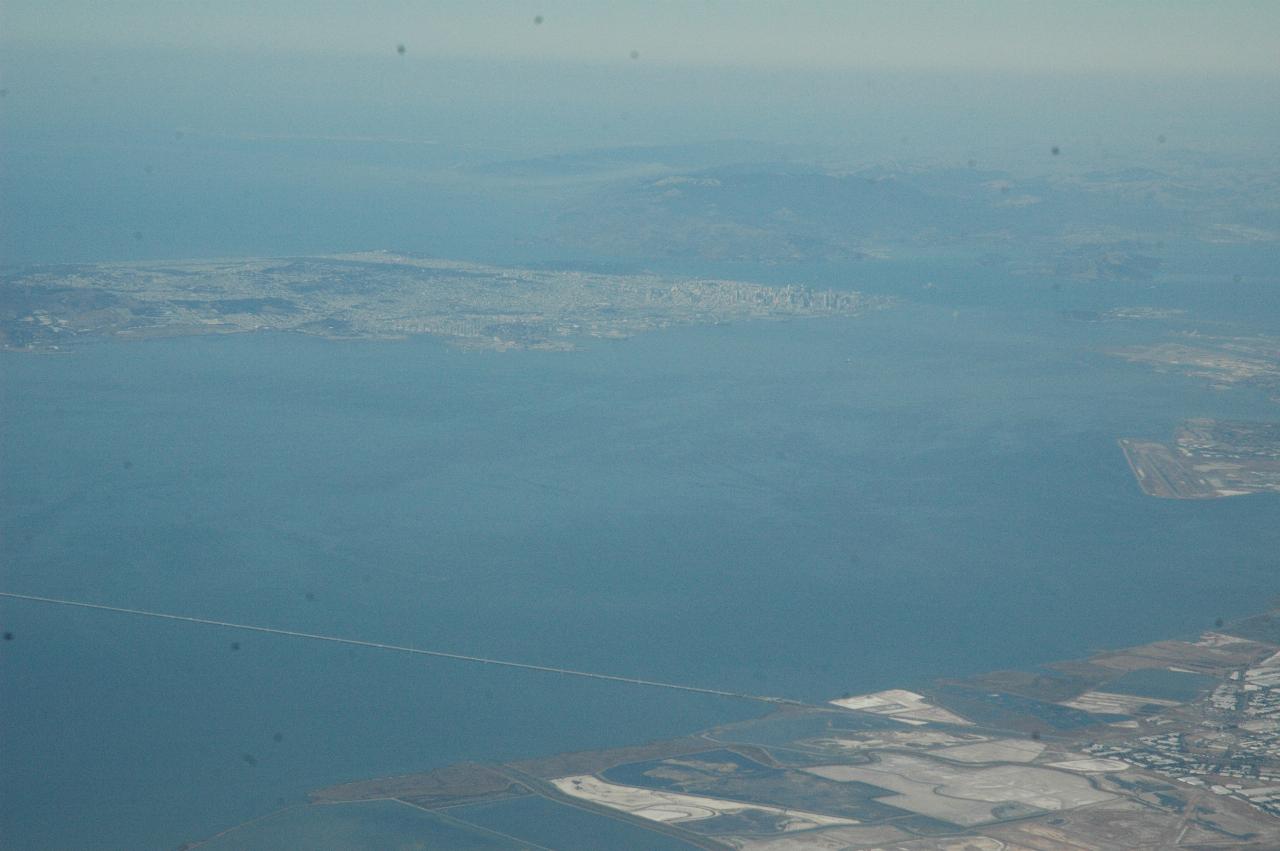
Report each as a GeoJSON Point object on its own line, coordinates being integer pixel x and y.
{"type": "Point", "coordinates": [1161, 684]}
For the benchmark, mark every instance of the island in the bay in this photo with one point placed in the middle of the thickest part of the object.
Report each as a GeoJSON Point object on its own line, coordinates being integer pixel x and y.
{"type": "Point", "coordinates": [1174, 744]}
{"type": "Point", "coordinates": [1208, 459]}
{"type": "Point", "coordinates": [381, 296]}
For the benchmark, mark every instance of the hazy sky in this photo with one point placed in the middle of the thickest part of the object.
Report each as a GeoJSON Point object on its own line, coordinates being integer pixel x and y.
{"type": "Point", "coordinates": [1119, 35]}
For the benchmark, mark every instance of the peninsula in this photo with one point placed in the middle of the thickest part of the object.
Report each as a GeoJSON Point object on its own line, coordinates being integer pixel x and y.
{"type": "Point", "coordinates": [379, 295]}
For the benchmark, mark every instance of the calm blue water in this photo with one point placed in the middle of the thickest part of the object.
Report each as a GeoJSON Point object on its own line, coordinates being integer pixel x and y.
{"type": "Point", "coordinates": [800, 508]}
{"type": "Point", "coordinates": [367, 825]}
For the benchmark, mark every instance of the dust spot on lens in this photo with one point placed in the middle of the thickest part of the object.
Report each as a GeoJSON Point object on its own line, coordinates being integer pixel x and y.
{"type": "Point", "coordinates": [973, 163]}
{"type": "Point", "coordinates": [137, 234]}
{"type": "Point", "coordinates": [635, 54]}
{"type": "Point", "coordinates": [148, 168]}
{"type": "Point", "coordinates": [8, 636]}
{"type": "Point", "coordinates": [310, 596]}
{"type": "Point", "coordinates": [1218, 623]}
{"type": "Point", "coordinates": [1235, 279]}
{"type": "Point", "coordinates": [277, 737]}
{"type": "Point", "coordinates": [400, 49]}
{"type": "Point", "coordinates": [1055, 150]}
{"type": "Point", "coordinates": [1035, 735]}
{"type": "Point", "coordinates": [250, 759]}
{"type": "Point", "coordinates": [4, 93]}
{"type": "Point", "coordinates": [1161, 139]}
{"type": "Point", "coordinates": [128, 465]}
{"type": "Point", "coordinates": [537, 19]}
{"type": "Point", "coordinates": [235, 645]}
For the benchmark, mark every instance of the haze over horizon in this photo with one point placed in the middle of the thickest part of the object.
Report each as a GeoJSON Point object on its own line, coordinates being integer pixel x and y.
{"type": "Point", "coordinates": [821, 350]}
{"type": "Point", "coordinates": [1002, 35]}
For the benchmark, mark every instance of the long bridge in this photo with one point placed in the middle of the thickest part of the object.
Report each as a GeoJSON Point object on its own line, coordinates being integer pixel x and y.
{"type": "Point", "coordinates": [400, 648]}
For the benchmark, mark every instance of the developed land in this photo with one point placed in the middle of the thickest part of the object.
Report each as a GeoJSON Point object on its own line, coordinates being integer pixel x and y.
{"type": "Point", "coordinates": [1174, 744]}
{"type": "Point", "coordinates": [380, 296]}
{"type": "Point", "coordinates": [1224, 362]}
{"type": "Point", "coordinates": [1208, 459]}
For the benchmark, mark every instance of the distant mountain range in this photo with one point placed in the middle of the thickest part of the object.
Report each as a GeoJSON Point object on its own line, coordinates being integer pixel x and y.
{"type": "Point", "coordinates": [738, 201]}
